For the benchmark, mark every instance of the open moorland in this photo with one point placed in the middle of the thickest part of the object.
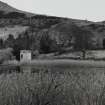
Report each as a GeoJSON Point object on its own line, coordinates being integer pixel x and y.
{"type": "Point", "coordinates": [58, 80]}
{"type": "Point", "coordinates": [54, 82]}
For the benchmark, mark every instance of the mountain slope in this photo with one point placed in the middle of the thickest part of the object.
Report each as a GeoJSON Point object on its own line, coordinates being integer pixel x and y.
{"type": "Point", "coordinates": [51, 23]}
{"type": "Point", "coordinates": [7, 9]}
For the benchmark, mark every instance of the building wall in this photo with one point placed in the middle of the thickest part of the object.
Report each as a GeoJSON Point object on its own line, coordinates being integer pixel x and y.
{"type": "Point", "coordinates": [25, 56]}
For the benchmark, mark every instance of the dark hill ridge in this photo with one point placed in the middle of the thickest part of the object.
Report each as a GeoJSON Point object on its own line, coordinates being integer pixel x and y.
{"type": "Point", "coordinates": [7, 9]}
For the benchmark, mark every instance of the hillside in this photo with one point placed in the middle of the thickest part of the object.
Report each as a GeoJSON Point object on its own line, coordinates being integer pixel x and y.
{"type": "Point", "coordinates": [62, 30]}
{"type": "Point", "coordinates": [7, 9]}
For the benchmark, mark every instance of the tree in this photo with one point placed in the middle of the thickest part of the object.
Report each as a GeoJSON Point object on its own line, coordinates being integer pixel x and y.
{"type": "Point", "coordinates": [17, 46]}
{"type": "Point", "coordinates": [16, 51]}
{"type": "Point", "coordinates": [2, 13]}
{"type": "Point", "coordinates": [1, 43]}
{"type": "Point", "coordinates": [10, 41]}
{"type": "Point", "coordinates": [47, 45]}
{"type": "Point", "coordinates": [83, 41]}
{"type": "Point", "coordinates": [104, 43]}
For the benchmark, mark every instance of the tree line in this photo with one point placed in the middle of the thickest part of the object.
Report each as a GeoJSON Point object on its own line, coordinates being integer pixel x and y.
{"type": "Point", "coordinates": [44, 43]}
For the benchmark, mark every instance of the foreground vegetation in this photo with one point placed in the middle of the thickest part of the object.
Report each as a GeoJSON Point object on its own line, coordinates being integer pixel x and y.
{"type": "Point", "coordinates": [83, 87]}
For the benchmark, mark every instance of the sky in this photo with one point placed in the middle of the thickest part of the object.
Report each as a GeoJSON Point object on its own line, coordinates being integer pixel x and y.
{"type": "Point", "coordinates": [92, 10]}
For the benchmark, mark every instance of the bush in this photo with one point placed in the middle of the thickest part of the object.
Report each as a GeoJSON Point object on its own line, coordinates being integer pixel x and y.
{"type": "Point", "coordinates": [6, 54]}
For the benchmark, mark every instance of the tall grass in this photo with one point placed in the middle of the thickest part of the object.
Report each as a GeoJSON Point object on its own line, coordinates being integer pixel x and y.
{"type": "Point", "coordinates": [69, 88]}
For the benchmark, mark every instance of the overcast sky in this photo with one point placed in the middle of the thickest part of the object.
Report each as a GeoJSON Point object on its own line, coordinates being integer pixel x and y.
{"type": "Point", "coordinates": [93, 10]}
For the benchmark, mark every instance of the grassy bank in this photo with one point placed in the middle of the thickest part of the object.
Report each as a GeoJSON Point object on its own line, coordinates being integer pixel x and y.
{"type": "Point", "coordinates": [83, 87]}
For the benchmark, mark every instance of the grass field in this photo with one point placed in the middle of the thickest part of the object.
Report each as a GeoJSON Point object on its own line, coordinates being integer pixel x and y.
{"type": "Point", "coordinates": [63, 65]}
{"type": "Point", "coordinates": [53, 82]}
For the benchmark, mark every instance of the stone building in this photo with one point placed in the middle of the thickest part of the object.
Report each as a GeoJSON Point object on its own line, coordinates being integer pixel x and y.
{"type": "Point", "coordinates": [25, 55]}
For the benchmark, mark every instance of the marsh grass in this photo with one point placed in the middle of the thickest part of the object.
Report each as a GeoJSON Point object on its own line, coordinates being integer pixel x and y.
{"type": "Point", "coordinates": [46, 88]}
